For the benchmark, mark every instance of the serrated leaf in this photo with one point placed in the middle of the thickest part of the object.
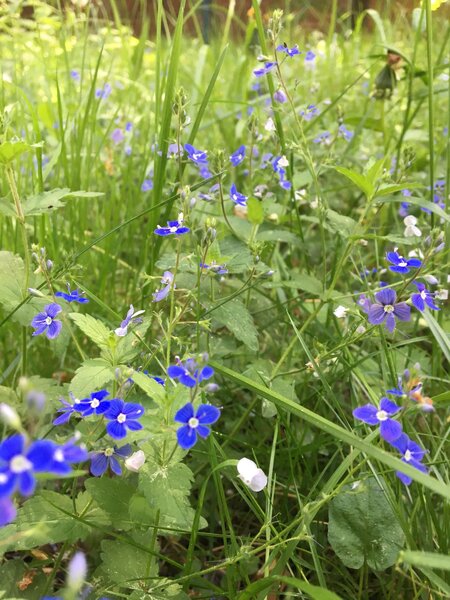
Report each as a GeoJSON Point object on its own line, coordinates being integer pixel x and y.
{"type": "Point", "coordinates": [154, 390]}
{"type": "Point", "coordinates": [93, 328]}
{"type": "Point", "coordinates": [91, 376]}
{"type": "Point", "coordinates": [11, 150]}
{"type": "Point", "coordinates": [363, 527]}
{"type": "Point", "coordinates": [237, 319]}
{"type": "Point", "coordinates": [359, 180]}
{"type": "Point", "coordinates": [114, 496]}
{"type": "Point", "coordinates": [255, 211]}
{"type": "Point", "coordinates": [126, 563]}
{"type": "Point", "coordinates": [129, 345]}
{"type": "Point", "coordinates": [341, 224]}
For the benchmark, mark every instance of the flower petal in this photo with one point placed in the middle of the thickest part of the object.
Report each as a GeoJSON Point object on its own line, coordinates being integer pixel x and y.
{"type": "Point", "coordinates": [186, 437]}
{"type": "Point", "coordinates": [99, 464]}
{"type": "Point", "coordinates": [376, 314]}
{"type": "Point", "coordinates": [7, 511]}
{"type": "Point", "coordinates": [402, 311]}
{"type": "Point", "coordinates": [174, 371]}
{"type": "Point", "coordinates": [390, 322]}
{"type": "Point", "coordinates": [133, 425]}
{"type": "Point", "coordinates": [367, 414]}
{"type": "Point", "coordinates": [206, 373]}
{"type": "Point", "coordinates": [203, 431]}
{"type": "Point", "coordinates": [418, 302]}
{"type": "Point", "coordinates": [12, 446]}
{"type": "Point", "coordinates": [27, 483]}
{"type": "Point", "coordinates": [52, 309]}
{"type": "Point", "coordinates": [386, 296]}
{"type": "Point", "coordinates": [54, 329]}
{"type": "Point", "coordinates": [115, 408]}
{"type": "Point", "coordinates": [207, 414]}
{"type": "Point", "coordinates": [388, 406]}
{"type": "Point", "coordinates": [116, 430]}
{"type": "Point", "coordinates": [133, 409]}
{"type": "Point", "coordinates": [115, 465]}
{"type": "Point", "coordinates": [390, 430]}
{"type": "Point", "coordinates": [123, 451]}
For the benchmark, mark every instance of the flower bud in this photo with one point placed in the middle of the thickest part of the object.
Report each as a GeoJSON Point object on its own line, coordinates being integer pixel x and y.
{"type": "Point", "coordinates": [251, 475]}
{"type": "Point", "coordinates": [9, 416]}
{"type": "Point", "coordinates": [76, 572]}
{"type": "Point", "coordinates": [135, 461]}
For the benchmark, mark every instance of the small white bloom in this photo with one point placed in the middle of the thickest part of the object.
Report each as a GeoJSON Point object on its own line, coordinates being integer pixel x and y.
{"type": "Point", "coordinates": [431, 279]}
{"type": "Point", "coordinates": [314, 203]}
{"type": "Point", "coordinates": [283, 161]}
{"type": "Point", "coordinates": [76, 572]}
{"type": "Point", "coordinates": [360, 329]}
{"type": "Point", "coordinates": [251, 475]}
{"type": "Point", "coordinates": [9, 416]}
{"type": "Point", "coordinates": [442, 294]}
{"type": "Point", "coordinates": [135, 461]}
{"type": "Point", "coordinates": [416, 254]}
{"type": "Point", "coordinates": [340, 312]}
{"type": "Point", "coordinates": [410, 227]}
{"type": "Point", "coordinates": [270, 125]}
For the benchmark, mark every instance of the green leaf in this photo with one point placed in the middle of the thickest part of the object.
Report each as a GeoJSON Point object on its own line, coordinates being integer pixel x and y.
{"type": "Point", "coordinates": [91, 376]}
{"type": "Point", "coordinates": [236, 317]}
{"type": "Point", "coordinates": [314, 591]}
{"type": "Point", "coordinates": [114, 496]}
{"type": "Point", "coordinates": [7, 208]}
{"type": "Point", "coordinates": [255, 211]}
{"type": "Point", "coordinates": [164, 589]}
{"type": "Point", "coordinates": [47, 202]}
{"type": "Point", "coordinates": [341, 224]}
{"type": "Point", "coordinates": [363, 527]}
{"type": "Point", "coordinates": [425, 559]}
{"type": "Point", "coordinates": [40, 521]}
{"type": "Point", "coordinates": [93, 328]}
{"type": "Point", "coordinates": [393, 189]}
{"type": "Point", "coordinates": [431, 206]}
{"type": "Point", "coordinates": [154, 390]}
{"type": "Point", "coordinates": [362, 182]}
{"type": "Point", "coordinates": [11, 150]}
{"type": "Point", "coordinates": [440, 335]}
{"type": "Point", "coordinates": [166, 489]}
{"type": "Point", "coordinates": [130, 345]}
{"type": "Point", "coordinates": [125, 563]}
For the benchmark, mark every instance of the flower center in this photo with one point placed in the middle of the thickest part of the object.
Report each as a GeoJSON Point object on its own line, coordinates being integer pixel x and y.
{"type": "Point", "coordinates": [193, 422]}
{"type": "Point", "coordinates": [382, 415]}
{"type": "Point", "coordinates": [423, 295]}
{"type": "Point", "coordinates": [173, 229]}
{"type": "Point", "coordinates": [19, 464]}
{"type": "Point", "coordinates": [121, 418]}
{"type": "Point", "coordinates": [109, 451]}
{"type": "Point", "coordinates": [408, 455]}
{"type": "Point", "coordinates": [58, 455]}
{"type": "Point", "coordinates": [95, 403]}
{"type": "Point", "coordinates": [48, 321]}
{"type": "Point", "coordinates": [388, 308]}
{"type": "Point", "coordinates": [403, 263]}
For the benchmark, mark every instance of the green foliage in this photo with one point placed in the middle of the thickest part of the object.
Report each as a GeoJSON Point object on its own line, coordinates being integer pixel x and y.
{"type": "Point", "coordinates": [93, 374]}
{"type": "Point", "coordinates": [237, 318]}
{"type": "Point", "coordinates": [363, 527]}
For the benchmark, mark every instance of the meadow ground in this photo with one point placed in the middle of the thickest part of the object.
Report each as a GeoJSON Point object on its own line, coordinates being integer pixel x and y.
{"type": "Point", "coordinates": [243, 393]}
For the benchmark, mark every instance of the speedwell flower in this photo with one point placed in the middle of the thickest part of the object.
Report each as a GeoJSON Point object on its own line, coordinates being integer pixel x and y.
{"type": "Point", "coordinates": [237, 197]}
{"type": "Point", "coordinates": [100, 461]}
{"type": "Point", "coordinates": [123, 416]}
{"type": "Point", "coordinates": [390, 430]}
{"type": "Point", "coordinates": [95, 404]}
{"type": "Point", "coordinates": [401, 264]}
{"type": "Point", "coordinates": [46, 321]}
{"type": "Point", "coordinates": [72, 296]}
{"type": "Point", "coordinates": [238, 156]}
{"type": "Point", "coordinates": [386, 309]}
{"type": "Point", "coordinates": [166, 281]}
{"type": "Point", "coordinates": [268, 66]}
{"type": "Point", "coordinates": [63, 456]}
{"type": "Point", "coordinates": [197, 156]}
{"type": "Point", "coordinates": [423, 297]}
{"type": "Point", "coordinates": [412, 454]}
{"type": "Point", "coordinates": [173, 227]}
{"type": "Point", "coordinates": [289, 51]}
{"type": "Point", "coordinates": [131, 316]}
{"type": "Point", "coordinates": [188, 373]}
{"type": "Point", "coordinates": [195, 423]}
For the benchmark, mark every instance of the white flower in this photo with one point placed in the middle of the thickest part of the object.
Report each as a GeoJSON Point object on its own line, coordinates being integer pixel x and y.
{"type": "Point", "coordinates": [410, 227]}
{"type": "Point", "coordinates": [283, 161]}
{"type": "Point", "coordinates": [251, 475]}
{"type": "Point", "coordinates": [270, 125]}
{"type": "Point", "coordinates": [431, 279]}
{"type": "Point", "coordinates": [76, 572]}
{"type": "Point", "coordinates": [9, 416]}
{"type": "Point", "coordinates": [135, 461]}
{"type": "Point", "coordinates": [340, 312]}
{"type": "Point", "coordinates": [442, 294]}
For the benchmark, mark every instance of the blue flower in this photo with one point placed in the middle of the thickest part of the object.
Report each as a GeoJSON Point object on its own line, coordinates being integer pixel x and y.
{"type": "Point", "coordinates": [310, 111]}
{"type": "Point", "coordinates": [67, 410]}
{"type": "Point", "coordinates": [199, 157]}
{"type": "Point", "coordinates": [345, 133]}
{"type": "Point", "coordinates": [166, 281]}
{"type": "Point", "coordinates": [401, 264]}
{"type": "Point", "coordinates": [100, 461]}
{"type": "Point", "coordinates": [268, 66]}
{"type": "Point", "coordinates": [18, 464]}
{"type": "Point", "coordinates": [195, 423]}
{"type": "Point", "coordinates": [95, 404]}
{"type": "Point", "coordinates": [280, 96]}
{"type": "Point", "coordinates": [63, 456]}
{"type": "Point", "coordinates": [123, 416]}
{"type": "Point", "coordinates": [238, 156]}
{"type": "Point", "coordinates": [322, 138]}
{"type": "Point", "coordinates": [74, 296]}
{"type": "Point", "coordinates": [75, 75]}
{"type": "Point", "coordinates": [215, 268]}
{"type": "Point", "coordinates": [147, 185]}
{"type": "Point", "coordinates": [188, 373]}
{"type": "Point", "coordinates": [309, 56]}
{"type": "Point", "coordinates": [159, 380]}
{"type": "Point", "coordinates": [45, 321]}
{"type": "Point", "coordinates": [399, 391]}
{"type": "Point", "coordinates": [117, 136]}
{"type": "Point", "coordinates": [364, 302]}
{"type": "Point", "coordinates": [237, 197]}
{"type": "Point", "coordinates": [8, 511]}
{"type": "Point", "coordinates": [131, 317]}
{"type": "Point", "coordinates": [412, 454]}
{"type": "Point", "coordinates": [390, 430]}
{"type": "Point", "coordinates": [173, 227]}
{"type": "Point", "coordinates": [204, 171]}
{"type": "Point", "coordinates": [289, 51]}
{"type": "Point", "coordinates": [103, 93]}
{"type": "Point", "coordinates": [386, 309]}
{"type": "Point", "coordinates": [423, 297]}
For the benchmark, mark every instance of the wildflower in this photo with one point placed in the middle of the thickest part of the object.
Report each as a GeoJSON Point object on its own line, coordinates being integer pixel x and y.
{"type": "Point", "coordinates": [66, 454]}
{"type": "Point", "coordinates": [76, 572]}
{"type": "Point", "coordinates": [251, 475]}
{"type": "Point", "coordinates": [197, 156]}
{"type": "Point", "coordinates": [442, 294]}
{"type": "Point", "coordinates": [67, 410]}
{"type": "Point", "coordinates": [279, 163]}
{"type": "Point", "coordinates": [195, 423]}
{"type": "Point", "coordinates": [173, 227]}
{"type": "Point", "coordinates": [280, 96]}
{"type": "Point", "coordinates": [268, 66]}
{"type": "Point", "coordinates": [72, 296]}
{"type": "Point", "coordinates": [131, 317]}
{"type": "Point", "coordinates": [412, 454]}
{"type": "Point", "coordinates": [75, 75]}
{"type": "Point", "coordinates": [289, 51]}
{"type": "Point", "coordinates": [123, 416]}
{"type": "Point", "coordinates": [188, 373]}
{"type": "Point", "coordinates": [237, 197]}
{"type": "Point", "coordinates": [166, 280]}
{"type": "Point", "coordinates": [390, 430]}
{"type": "Point", "coordinates": [386, 309]}
{"type": "Point", "coordinates": [45, 321]}
{"type": "Point", "coordinates": [147, 185]}
{"type": "Point", "coordinates": [285, 183]}
{"type": "Point", "coordinates": [117, 136]}
{"type": "Point", "coordinates": [401, 264]}
{"type": "Point", "coordinates": [9, 416]}
{"type": "Point", "coordinates": [238, 156]}
{"type": "Point", "coordinates": [18, 464]}
{"type": "Point", "coordinates": [345, 133]}
{"type": "Point", "coordinates": [103, 93]}
{"type": "Point", "coordinates": [340, 312]}
{"type": "Point", "coordinates": [310, 111]}
{"type": "Point", "coordinates": [215, 268]}
{"type": "Point", "coordinates": [310, 56]}
{"type": "Point", "coordinates": [95, 404]}
{"type": "Point", "coordinates": [204, 171]}
{"type": "Point", "coordinates": [423, 297]}
{"type": "Point", "coordinates": [7, 511]}
{"type": "Point", "coordinates": [270, 125]}
{"type": "Point", "coordinates": [410, 227]}
{"type": "Point", "coordinates": [135, 461]}
{"type": "Point", "coordinates": [128, 126]}
{"type": "Point", "coordinates": [322, 138]}
{"type": "Point", "coordinates": [399, 391]}
{"type": "Point", "coordinates": [101, 461]}
{"type": "Point", "coordinates": [174, 150]}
